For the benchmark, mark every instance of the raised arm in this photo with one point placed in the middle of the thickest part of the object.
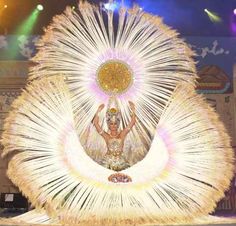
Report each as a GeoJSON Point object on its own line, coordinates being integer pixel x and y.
{"type": "Point", "coordinates": [132, 121]}
{"type": "Point", "coordinates": [96, 122]}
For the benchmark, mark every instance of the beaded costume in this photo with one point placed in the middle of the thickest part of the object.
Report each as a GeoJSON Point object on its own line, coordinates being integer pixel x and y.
{"type": "Point", "coordinates": [114, 158]}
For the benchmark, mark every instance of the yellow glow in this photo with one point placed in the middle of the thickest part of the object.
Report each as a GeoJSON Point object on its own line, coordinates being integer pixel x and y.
{"type": "Point", "coordinates": [2, 7]}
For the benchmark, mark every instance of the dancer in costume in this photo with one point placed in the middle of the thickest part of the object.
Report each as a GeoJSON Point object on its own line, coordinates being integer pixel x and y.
{"type": "Point", "coordinates": [114, 158]}
{"type": "Point", "coordinates": [85, 57]}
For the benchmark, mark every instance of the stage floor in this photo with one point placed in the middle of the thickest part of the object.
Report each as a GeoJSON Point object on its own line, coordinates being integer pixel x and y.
{"type": "Point", "coordinates": [13, 218]}
{"type": "Point", "coordinates": [10, 224]}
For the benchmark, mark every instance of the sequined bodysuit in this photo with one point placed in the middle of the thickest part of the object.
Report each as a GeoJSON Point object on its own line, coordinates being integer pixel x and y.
{"type": "Point", "coordinates": [114, 158]}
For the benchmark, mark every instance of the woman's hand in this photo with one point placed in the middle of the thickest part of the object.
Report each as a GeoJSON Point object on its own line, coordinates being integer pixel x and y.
{"type": "Point", "coordinates": [96, 118]}
{"type": "Point", "coordinates": [132, 106]}
{"type": "Point", "coordinates": [100, 108]}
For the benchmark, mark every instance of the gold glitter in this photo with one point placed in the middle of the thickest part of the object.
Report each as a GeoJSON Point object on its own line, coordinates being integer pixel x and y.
{"type": "Point", "coordinates": [113, 110]}
{"type": "Point", "coordinates": [114, 77]}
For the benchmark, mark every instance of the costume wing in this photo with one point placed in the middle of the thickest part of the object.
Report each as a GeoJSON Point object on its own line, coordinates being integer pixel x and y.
{"type": "Point", "coordinates": [179, 179]}
{"type": "Point", "coordinates": [49, 129]}
{"type": "Point", "coordinates": [136, 58]}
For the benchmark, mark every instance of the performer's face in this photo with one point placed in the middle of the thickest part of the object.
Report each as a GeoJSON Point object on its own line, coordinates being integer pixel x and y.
{"type": "Point", "coordinates": [113, 126]}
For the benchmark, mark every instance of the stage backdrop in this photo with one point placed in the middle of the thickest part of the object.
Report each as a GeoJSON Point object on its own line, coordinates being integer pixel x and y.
{"type": "Point", "coordinates": [215, 60]}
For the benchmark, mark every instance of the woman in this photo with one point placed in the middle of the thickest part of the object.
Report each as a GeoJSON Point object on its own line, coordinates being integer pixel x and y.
{"type": "Point", "coordinates": [114, 158]}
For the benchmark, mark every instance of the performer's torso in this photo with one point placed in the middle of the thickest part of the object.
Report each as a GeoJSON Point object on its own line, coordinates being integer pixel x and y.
{"type": "Point", "coordinates": [115, 147]}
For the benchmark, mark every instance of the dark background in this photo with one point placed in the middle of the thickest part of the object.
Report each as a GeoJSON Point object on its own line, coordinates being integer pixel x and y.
{"type": "Point", "coordinates": [187, 16]}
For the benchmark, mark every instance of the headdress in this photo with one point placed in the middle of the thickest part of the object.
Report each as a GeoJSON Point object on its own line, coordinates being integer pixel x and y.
{"type": "Point", "coordinates": [113, 114]}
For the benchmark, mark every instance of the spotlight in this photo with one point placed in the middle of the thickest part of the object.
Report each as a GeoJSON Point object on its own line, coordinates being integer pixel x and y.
{"type": "Point", "coordinates": [73, 7]}
{"type": "Point", "coordinates": [110, 6]}
{"type": "Point", "coordinates": [214, 17]}
{"type": "Point", "coordinates": [39, 7]}
{"type": "Point", "coordinates": [5, 6]}
{"type": "Point", "coordinates": [235, 12]}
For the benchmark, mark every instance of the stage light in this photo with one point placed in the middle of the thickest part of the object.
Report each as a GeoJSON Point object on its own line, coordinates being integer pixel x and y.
{"type": "Point", "coordinates": [73, 7]}
{"type": "Point", "coordinates": [110, 6]}
{"type": "Point", "coordinates": [214, 17]}
{"type": "Point", "coordinates": [5, 6]}
{"type": "Point", "coordinates": [40, 7]}
{"type": "Point", "coordinates": [235, 12]}
{"type": "Point", "coordinates": [25, 29]}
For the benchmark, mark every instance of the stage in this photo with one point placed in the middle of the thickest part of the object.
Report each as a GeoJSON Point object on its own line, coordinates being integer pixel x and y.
{"type": "Point", "coordinates": [13, 219]}
{"type": "Point", "coordinates": [220, 224]}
